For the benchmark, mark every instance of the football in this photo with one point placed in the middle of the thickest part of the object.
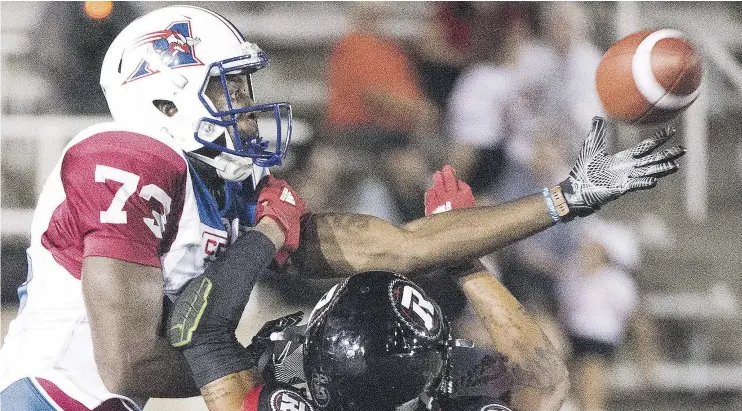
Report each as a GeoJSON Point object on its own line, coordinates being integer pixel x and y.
{"type": "Point", "coordinates": [649, 76]}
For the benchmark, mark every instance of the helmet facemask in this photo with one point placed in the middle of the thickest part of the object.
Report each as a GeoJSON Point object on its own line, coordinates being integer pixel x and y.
{"type": "Point", "coordinates": [263, 152]}
{"type": "Point", "coordinates": [233, 134]}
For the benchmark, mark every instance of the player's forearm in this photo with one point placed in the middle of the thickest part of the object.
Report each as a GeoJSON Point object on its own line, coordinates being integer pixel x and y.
{"type": "Point", "coordinates": [344, 244]}
{"type": "Point", "coordinates": [540, 374]}
{"type": "Point", "coordinates": [124, 306]}
{"type": "Point", "coordinates": [205, 315]}
{"type": "Point", "coordinates": [142, 367]}
{"type": "Point", "coordinates": [161, 373]}
{"type": "Point", "coordinates": [228, 393]}
{"type": "Point", "coordinates": [464, 234]}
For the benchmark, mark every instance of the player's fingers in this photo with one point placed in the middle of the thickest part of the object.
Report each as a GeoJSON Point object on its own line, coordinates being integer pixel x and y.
{"type": "Point", "coordinates": [279, 187]}
{"type": "Point", "coordinates": [449, 177]}
{"type": "Point", "coordinates": [642, 183]}
{"type": "Point", "coordinates": [595, 141]}
{"type": "Point", "coordinates": [665, 155]}
{"type": "Point", "coordinates": [655, 170]}
{"type": "Point", "coordinates": [467, 193]}
{"type": "Point", "coordinates": [448, 169]}
{"type": "Point", "coordinates": [268, 190]}
{"type": "Point", "coordinates": [464, 187]}
{"type": "Point", "coordinates": [437, 180]}
{"type": "Point", "coordinates": [647, 146]}
{"type": "Point", "coordinates": [300, 203]}
{"type": "Point", "coordinates": [270, 182]}
{"type": "Point", "coordinates": [431, 194]}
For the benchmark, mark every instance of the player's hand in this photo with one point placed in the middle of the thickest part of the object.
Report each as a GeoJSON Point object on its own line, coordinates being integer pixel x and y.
{"type": "Point", "coordinates": [277, 200]}
{"type": "Point", "coordinates": [598, 177]}
{"type": "Point", "coordinates": [262, 341]}
{"type": "Point", "coordinates": [447, 193]}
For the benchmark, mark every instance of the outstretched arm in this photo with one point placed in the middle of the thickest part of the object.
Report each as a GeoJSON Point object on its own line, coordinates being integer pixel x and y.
{"type": "Point", "coordinates": [344, 244]}
{"type": "Point", "coordinates": [540, 375]}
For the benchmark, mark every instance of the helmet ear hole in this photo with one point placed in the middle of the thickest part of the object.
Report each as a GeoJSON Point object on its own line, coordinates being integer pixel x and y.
{"type": "Point", "coordinates": [167, 107]}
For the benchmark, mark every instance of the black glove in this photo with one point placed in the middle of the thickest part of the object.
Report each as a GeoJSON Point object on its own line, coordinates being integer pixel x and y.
{"type": "Point", "coordinates": [262, 342]}
{"type": "Point", "coordinates": [598, 177]}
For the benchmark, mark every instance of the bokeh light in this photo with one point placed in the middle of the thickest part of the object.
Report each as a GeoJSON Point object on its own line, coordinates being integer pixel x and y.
{"type": "Point", "coordinates": [98, 9]}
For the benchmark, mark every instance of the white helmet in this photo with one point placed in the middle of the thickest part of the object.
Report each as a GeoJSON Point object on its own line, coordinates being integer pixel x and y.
{"type": "Point", "coordinates": [169, 55]}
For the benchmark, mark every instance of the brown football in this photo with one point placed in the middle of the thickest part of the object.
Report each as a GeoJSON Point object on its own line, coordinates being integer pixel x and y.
{"type": "Point", "coordinates": [649, 76]}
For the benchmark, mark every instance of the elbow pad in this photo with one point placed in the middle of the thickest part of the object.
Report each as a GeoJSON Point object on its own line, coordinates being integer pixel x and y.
{"type": "Point", "coordinates": [206, 313]}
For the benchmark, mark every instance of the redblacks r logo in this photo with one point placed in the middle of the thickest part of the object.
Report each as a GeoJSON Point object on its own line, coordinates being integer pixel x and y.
{"type": "Point", "coordinates": [415, 309]}
{"type": "Point", "coordinates": [285, 400]}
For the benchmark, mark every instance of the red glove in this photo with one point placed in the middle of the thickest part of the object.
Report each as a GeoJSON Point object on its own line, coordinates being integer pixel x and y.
{"type": "Point", "coordinates": [447, 193]}
{"type": "Point", "coordinates": [280, 202]}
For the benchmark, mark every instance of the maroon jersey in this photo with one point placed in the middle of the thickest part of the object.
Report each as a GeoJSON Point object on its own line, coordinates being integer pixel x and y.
{"type": "Point", "coordinates": [117, 192]}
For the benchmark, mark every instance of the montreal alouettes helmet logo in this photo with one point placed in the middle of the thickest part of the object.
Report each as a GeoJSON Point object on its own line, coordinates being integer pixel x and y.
{"type": "Point", "coordinates": [175, 45]}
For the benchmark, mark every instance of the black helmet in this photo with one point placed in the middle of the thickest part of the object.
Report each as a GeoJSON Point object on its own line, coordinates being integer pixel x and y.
{"type": "Point", "coordinates": [374, 342]}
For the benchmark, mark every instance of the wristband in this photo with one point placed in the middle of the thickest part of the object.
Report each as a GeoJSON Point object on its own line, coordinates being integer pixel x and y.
{"type": "Point", "coordinates": [560, 203]}
{"type": "Point", "coordinates": [550, 206]}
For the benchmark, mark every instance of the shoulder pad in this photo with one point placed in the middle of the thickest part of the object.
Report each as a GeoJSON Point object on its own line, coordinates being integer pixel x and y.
{"type": "Point", "coordinates": [113, 126]}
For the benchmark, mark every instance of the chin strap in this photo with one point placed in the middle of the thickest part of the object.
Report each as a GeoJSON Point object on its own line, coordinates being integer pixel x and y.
{"type": "Point", "coordinates": [228, 167]}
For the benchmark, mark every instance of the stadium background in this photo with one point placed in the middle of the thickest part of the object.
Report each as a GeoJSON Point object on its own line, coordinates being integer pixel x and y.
{"type": "Point", "coordinates": [690, 229]}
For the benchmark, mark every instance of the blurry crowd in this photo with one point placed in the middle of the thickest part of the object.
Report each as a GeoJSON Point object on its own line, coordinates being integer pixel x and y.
{"type": "Point", "coordinates": [504, 92]}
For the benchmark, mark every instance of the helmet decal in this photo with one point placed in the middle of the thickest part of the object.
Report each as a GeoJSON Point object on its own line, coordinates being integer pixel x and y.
{"type": "Point", "coordinates": [320, 391]}
{"type": "Point", "coordinates": [283, 400]}
{"type": "Point", "coordinates": [175, 45]}
{"type": "Point", "coordinates": [326, 302]}
{"type": "Point", "coordinates": [415, 309]}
